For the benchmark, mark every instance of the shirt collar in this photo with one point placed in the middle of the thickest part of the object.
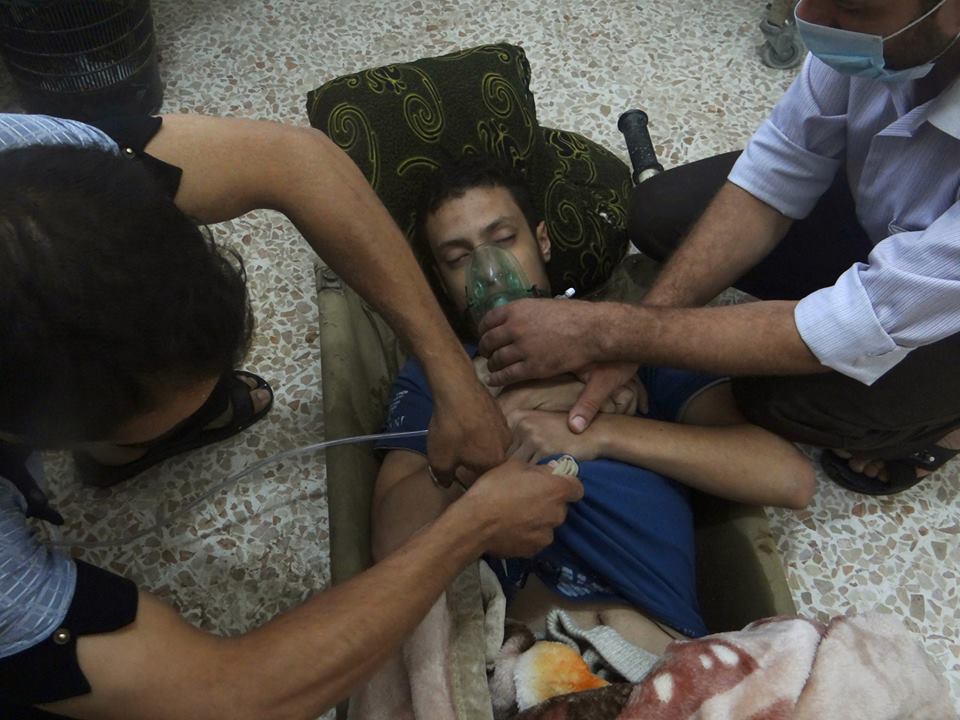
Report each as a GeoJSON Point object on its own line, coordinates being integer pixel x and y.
{"type": "Point", "coordinates": [944, 110]}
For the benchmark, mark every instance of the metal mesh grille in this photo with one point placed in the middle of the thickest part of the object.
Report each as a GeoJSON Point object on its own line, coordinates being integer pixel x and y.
{"type": "Point", "coordinates": [82, 59]}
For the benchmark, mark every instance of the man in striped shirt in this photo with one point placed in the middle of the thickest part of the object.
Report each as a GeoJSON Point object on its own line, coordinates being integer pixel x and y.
{"type": "Point", "coordinates": [850, 192]}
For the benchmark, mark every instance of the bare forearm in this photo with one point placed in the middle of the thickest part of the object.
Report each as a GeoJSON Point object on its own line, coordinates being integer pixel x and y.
{"type": "Point", "coordinates": [759, 338]}
{"type": "Point", "coordinates": [312, 657]}
{"type": "Point", "coordinates": [358, 238]}
{"type": "Point", "coordinates": [735, 232]}
{"type": "Point", "coordinates": [232, 166]}
{"type": "Point", "coordinates": [292, 668]}
{"type": "Point", "coordinates": [743, 463]}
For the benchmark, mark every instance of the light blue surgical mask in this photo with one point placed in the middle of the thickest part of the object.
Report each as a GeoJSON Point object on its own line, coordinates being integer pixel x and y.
{"type": "Point", "coordinates": [861, 54]}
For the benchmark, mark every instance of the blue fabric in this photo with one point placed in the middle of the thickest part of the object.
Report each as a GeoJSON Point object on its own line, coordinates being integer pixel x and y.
{"type": "Point", "coordinates": [630, 539]}
{"type": "Point", "coordinates": [17, 131]}
{"type": "Point", "coordinates": [36, 582]}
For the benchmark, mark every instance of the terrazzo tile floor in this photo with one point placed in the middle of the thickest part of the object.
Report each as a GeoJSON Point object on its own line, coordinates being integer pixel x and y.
{"type": "Point", "coordinates": [238, 558]}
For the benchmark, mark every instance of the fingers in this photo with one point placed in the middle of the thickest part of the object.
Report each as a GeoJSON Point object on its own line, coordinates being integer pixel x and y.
{"type": "Point", "coordinates": [598, 389]}
{"type": "Point", "coordinates": [573, 492]}
{"type": "Point", "coordinates": [465, 477]}
{"type": "Point", "coordinates": [505, 357]}
{"type": "Point", "coordinates": [525, 446]}
{"type": "Point", "coordinates": [493, 339]}
{"type": "Point", "coordinates": [537, 542]}
{"type": "Point", "coordinates": [442, 462]}
{"type": "Point", "coordinates": [527, 508]}
{"type": "Point", "coordinates": [602, 381]}
{"type": "Point", "coordinates": [493, 319]}
{"type": "Point", "coordinates": [474, 440]}
{"type": "Point", "coordinates": [643, 398]}
{"type": "Point", "coordinates": [516, 451]}
{"type": "Point", "coordinates": [525, 452]}
{"type": "Point", "coordinates": [518, 372]}
{"type": "Point", "coordinates": [571, 489]}
{"type": "Point", "coordinates": [624, 400]}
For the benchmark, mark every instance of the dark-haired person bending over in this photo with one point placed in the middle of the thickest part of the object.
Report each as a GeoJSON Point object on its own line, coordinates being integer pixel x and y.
{"type": "Point", "coordinates": [120, 325]}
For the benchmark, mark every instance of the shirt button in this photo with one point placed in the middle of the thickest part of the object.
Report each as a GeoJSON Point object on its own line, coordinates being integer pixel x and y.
{"type": "Point", "coordinates": [129, 152]}
{"type": "Point", "coordinates": [61, 637]}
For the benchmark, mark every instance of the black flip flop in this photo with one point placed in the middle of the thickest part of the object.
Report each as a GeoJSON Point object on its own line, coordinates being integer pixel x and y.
{"type": "Point", "coordinates": [901, 472]}
{"type": "Point", "coordinates": [188, 435]}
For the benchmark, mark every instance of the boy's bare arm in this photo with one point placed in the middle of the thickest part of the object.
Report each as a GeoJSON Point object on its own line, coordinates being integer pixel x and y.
{"type": "Point", "coordinates": [713, 450]}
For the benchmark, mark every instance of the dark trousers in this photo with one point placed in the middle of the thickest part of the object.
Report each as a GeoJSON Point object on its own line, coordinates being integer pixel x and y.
{"type": "Point", "coordinates": [913, 405]}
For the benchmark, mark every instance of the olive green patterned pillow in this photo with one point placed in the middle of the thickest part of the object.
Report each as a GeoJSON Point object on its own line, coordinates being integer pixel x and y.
{"type": "Point", "coordinates": [584, 190]}
{"type": "Point", "coordinates": [401, 121]}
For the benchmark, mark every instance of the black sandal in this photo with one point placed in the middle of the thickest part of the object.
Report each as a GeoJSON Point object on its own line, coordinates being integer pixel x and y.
{"type": "Point", "coordinates": [901, 472]}
{"type": "Point", "coordinates": [188, 435]}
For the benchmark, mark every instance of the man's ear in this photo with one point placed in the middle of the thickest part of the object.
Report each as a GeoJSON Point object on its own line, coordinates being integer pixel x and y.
{"type": "Point", "coordinates": [543, 241]}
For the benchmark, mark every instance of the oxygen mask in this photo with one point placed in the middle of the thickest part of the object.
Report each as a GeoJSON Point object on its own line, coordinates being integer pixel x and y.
{"type": "Point", "coordinates": [494, 278]}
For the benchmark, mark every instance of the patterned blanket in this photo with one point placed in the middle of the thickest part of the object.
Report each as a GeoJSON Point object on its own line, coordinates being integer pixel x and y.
{"type": "Point", "coordinates": [860, 667]}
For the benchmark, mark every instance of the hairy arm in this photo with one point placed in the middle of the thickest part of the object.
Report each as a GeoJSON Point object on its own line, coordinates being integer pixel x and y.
{"type": "Point", "coordinates": [758, 338]}
{"type": "Point", "coordinates": [735, 233]}
{"type": "Point", "coordinates": [303, 662]}
{"type": "Point", "coordinates": [295, 666]}
{"type": "Point", "coordinates": [232, 166]}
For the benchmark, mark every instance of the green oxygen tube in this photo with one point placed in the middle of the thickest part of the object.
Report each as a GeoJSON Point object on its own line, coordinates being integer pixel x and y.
{"type": "Point", "coordinates": [494, 278]}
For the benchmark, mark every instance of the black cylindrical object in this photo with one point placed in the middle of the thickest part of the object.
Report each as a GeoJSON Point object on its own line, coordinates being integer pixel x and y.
{"type": "Point", "coordinates": [643, 156]}
{"type": "Point", "coordinates": [82, 59]}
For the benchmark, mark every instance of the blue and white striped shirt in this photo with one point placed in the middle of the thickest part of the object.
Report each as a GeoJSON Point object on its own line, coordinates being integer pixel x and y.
{"type": "Point", "coordinates": [903, 166]}
{"type": "Point", "coordinates": [26, 130]}
{"type": "Point", "coordinates": [36, 582]}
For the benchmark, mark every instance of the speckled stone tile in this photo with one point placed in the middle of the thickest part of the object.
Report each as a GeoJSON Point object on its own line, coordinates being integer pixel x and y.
{"type": "Point", "coordinates": [238, 558]}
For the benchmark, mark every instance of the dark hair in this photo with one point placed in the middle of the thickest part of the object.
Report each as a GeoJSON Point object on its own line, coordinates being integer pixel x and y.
{"type": "Point", "coordinates": [106, 290]}
{"type": "Point", "coordinates": [449, 182]}
{"type": "Point", "coordinates": [454, 179]}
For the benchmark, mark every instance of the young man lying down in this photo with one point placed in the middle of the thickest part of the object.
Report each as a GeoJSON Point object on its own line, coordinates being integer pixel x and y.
{"type": "Point", "coordinates": [629, 543]}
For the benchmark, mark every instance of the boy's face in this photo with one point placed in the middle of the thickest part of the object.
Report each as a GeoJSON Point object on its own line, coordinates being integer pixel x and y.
{"type": "Point", "coordinates": [484, 215]}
